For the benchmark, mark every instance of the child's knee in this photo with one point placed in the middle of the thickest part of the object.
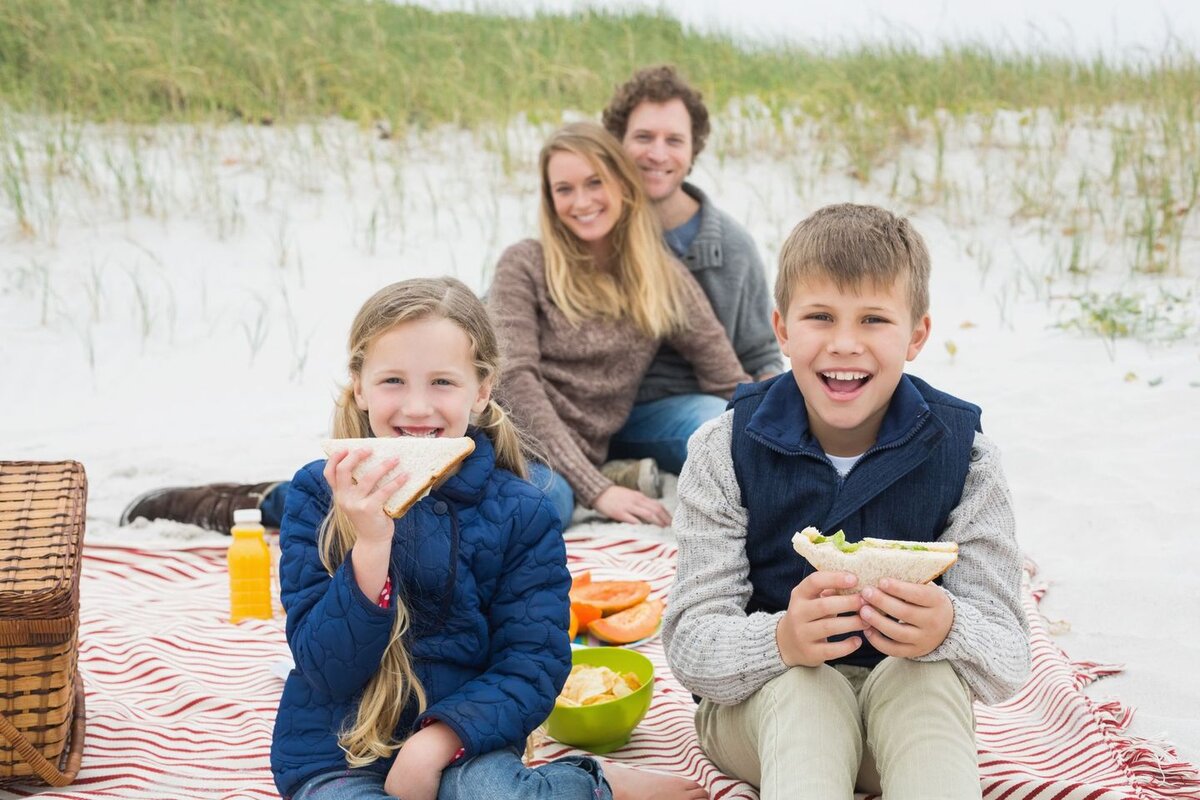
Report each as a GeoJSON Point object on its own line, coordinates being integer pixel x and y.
{"type": "Point", "coordinates": [934, 679]}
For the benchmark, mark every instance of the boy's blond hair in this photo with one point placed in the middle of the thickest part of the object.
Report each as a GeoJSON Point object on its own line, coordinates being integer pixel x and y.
{"type": "Point", "coordinates": [852, 245]}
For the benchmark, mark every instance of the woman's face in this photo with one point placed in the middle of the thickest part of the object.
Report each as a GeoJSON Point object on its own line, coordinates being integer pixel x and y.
{"type": "Point", "coordinates": [585, 199]}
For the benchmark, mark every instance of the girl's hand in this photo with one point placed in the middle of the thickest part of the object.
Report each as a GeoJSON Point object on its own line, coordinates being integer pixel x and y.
{"type": "Point", "coordinates": [362, 501]}
{"type": "Point", "coordinates": [417, 771]}
{"type": "Point", "coordinates": [906, 620]}
{"type": "Point", "coordinates": [812, 616]}
{"type": "Point", "coordinates": [629, 505]}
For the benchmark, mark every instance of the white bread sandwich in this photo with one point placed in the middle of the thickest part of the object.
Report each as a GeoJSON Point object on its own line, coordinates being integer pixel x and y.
{"type": "Point", "coordinates": [874, 559]}
{"type": "Point", "coordinates": [427, 462]}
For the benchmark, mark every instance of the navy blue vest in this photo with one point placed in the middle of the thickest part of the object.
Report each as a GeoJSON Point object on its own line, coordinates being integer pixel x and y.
{"type": "Point", "coordinates": [904, 487]}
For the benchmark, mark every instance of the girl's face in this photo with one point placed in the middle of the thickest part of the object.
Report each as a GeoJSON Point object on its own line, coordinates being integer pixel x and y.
{"type": "Point", "coordinates": [584, 199]}
{"type": "Point", "coordinates": [419, 379]}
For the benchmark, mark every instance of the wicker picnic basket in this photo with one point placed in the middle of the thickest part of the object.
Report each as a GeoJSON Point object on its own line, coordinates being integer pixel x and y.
{"type": "Point", "coordinates": [41, 694]}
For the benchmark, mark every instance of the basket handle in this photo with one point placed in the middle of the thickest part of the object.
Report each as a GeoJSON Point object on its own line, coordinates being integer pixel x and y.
{"type": "Point", "coordinates": [44, 769]}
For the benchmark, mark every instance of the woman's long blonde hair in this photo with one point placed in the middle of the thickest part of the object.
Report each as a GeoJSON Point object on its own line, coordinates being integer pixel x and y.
{"type": "Point", "coordinates": [372, 734]}
{"type": "Point", "coordinates": [639, 282]}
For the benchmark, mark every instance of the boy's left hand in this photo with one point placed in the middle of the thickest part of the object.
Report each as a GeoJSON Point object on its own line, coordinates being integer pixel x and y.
{"type": "Point", "coordinates": [906, 620]}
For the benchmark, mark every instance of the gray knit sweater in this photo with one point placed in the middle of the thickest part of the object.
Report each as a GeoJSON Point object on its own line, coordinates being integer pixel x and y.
{"type": "Point", "coordinates": [724, 261]}
{"type": "Point", "coordinates": [572, 387]}
{"type": "Point", "coordinates": [719, 652]}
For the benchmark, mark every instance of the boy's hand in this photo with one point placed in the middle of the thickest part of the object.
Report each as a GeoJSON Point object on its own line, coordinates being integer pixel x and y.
{"type": "Point", "coordinates": [812, 617]}
{"type": "Point", "coordinates": [906, 620]}
{"type": "Point", "coordinates": [417, 771]}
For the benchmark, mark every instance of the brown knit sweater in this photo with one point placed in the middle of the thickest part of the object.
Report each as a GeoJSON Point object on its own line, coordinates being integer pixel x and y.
{"type": "Point", "coordinates": [571, 387]}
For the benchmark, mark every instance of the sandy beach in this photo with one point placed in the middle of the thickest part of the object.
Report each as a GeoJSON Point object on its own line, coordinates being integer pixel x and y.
{"type": "Point", "coordinates": [193, 331]}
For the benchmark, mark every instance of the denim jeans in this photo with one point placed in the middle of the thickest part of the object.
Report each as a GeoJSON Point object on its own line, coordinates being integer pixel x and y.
{"type": "Point", "coordinates": [499, 774]}
{"type": "Point", "coordinates": [556, 488]}
{"type": "Point", "coordinates": [272, 505]}
{"type": "Point", "coordinates": [660, 429]}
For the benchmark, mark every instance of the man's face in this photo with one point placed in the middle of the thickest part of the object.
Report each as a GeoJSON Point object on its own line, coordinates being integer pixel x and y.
{"type": "Point", "coordinates": [659, 140]}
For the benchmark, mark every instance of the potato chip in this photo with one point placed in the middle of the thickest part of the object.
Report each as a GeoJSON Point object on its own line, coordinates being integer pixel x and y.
{"type": "Point", "coordinates": [588, 685]}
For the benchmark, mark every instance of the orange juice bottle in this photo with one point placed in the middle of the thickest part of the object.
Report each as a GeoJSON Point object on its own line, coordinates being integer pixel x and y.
{"type": "Point", "coordinates": [249, 568]}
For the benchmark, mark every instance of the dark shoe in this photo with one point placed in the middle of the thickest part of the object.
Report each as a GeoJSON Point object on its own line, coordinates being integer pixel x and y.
{"type": "Point", "coordinates": [640, 474]}
{"type": "Point", "coordinates": [210, 506]}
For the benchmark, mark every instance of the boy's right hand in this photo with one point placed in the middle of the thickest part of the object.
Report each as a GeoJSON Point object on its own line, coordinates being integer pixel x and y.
{"type": "Point", "coordinates": [812, 617]}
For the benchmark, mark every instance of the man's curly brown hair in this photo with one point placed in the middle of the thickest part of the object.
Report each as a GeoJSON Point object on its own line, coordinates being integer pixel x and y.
{"type": "Point", "coordinates": [658, 84]}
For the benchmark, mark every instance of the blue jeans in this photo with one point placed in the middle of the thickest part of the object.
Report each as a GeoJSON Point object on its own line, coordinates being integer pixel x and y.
{"type": "Point", "coordinates": [499, 774]}
{"type": "Point", "coordinates": [554, 485]}
{"type": "Point", "coordinates": [272, 505]}
{"type": "Point", "coordinates": [556, 488]}
{"type": "Point", "coordinates": [660, 429]}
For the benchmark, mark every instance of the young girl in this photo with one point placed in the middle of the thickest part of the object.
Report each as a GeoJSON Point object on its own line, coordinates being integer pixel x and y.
{"type": "Point", "coordinates": [427, 648]}
{"type": "Point", "coordinates": [584, 310]}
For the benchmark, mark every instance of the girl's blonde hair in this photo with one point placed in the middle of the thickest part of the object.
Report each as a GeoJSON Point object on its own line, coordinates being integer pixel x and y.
{"type": "Point", "coordinates": [640, 283]}
{"type": "Point", "coordinates": [371, 735]}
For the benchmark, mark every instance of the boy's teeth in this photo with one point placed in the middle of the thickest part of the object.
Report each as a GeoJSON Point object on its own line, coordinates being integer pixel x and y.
{"type": "Point", "coordinates": [845, 376]}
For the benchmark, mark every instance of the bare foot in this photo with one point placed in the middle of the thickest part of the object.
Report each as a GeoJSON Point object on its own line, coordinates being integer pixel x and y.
{"type": "Point", "coordinates": [630, 783]}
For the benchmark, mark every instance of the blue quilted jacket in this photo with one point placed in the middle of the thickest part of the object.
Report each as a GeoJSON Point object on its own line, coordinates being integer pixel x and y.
{"type": "Point", "coordinates": [482, 567]}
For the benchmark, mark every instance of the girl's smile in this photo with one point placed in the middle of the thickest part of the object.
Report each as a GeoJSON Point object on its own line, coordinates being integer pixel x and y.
{"type": "Point", "coordinates": [419, 379]}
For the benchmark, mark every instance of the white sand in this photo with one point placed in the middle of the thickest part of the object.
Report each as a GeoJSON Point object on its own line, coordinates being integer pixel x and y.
{"type": "Point", "coordinates": [193, 331]}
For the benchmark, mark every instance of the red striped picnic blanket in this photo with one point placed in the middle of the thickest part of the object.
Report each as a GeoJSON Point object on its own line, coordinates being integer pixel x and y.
{"type": "Point", "coordinates": [180, 703]}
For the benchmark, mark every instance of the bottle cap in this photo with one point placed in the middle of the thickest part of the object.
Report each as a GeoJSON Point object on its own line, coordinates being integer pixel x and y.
{"type": "Point", "coordinates": [247, 515]}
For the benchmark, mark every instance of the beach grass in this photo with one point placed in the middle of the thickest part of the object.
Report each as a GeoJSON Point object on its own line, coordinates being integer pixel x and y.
{"type": "Point", "coordinates": [265, 61]}
{"type": "Point", "coordinates": [117, 109]}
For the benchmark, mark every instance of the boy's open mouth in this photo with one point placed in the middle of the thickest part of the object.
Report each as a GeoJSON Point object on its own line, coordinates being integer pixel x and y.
{"type": "Point", "coordinates": [844, 382]}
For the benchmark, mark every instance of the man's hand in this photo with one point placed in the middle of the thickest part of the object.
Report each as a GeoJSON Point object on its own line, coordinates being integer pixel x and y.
{"type": "Point", "coordinates": [629, 505]}
{"type": "Point", "coordinates": [906, 620]}
{"type": "Point", "coordinates": [417, 771]}
{"type": "Point", "coordinates": [812, 616]}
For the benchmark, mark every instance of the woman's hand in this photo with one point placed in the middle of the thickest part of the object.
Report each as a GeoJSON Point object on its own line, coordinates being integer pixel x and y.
{"type": "Point", "coordinates": [362, 501]}
{"type": "Point", "coordinates": [628, 505]}
{"type": "Point", "coordinates": [906, 620]}
{"type": "Point", "coordinates": [417, 771]}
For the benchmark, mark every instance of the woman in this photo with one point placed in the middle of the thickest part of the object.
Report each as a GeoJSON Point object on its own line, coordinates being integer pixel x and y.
{"type": "Point", "coordinates": [582, 311]}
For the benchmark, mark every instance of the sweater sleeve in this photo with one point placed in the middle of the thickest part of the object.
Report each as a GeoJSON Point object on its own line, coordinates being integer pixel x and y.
{"type": "Point", "coordinates": [705, 344]}
{"type": "Point", "coordinates": [753, 338]}
{"type": "Point", "coordinates": [988, 642]}
{"type": "Point", "coordinates": [530, 654]}
{"type": "Point", "coordinates": [713, 647]}
{"type": "Point", "coordinates": [514, 305]}
{"type": "Point", "coordinates": [336, 633]}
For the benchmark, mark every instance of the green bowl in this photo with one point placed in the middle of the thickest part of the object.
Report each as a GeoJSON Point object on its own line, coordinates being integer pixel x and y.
{"type": "Point", "coordinates": [605, 727]}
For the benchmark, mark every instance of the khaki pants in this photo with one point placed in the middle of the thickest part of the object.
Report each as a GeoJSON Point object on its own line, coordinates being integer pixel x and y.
{"type": "Point", "coordinates": [802, 735]}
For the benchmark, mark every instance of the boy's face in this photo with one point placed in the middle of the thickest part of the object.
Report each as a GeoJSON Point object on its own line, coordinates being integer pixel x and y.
{"type": "Point", "coordinates": [848, 352]}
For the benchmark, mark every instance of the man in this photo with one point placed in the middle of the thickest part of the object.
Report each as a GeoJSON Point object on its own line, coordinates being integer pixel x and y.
{"type": "Point", "coordinates": [663, 124]}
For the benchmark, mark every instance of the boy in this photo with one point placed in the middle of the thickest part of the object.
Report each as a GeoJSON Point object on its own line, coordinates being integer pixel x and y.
{"type": "Point", "coordinates": [809, 694]}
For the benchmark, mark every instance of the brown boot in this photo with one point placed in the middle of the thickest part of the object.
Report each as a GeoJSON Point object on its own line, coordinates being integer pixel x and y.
{"type": "Point", "coordinates": [209, 507]}
{"type": "Point", "coordinates": [640, 474]}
